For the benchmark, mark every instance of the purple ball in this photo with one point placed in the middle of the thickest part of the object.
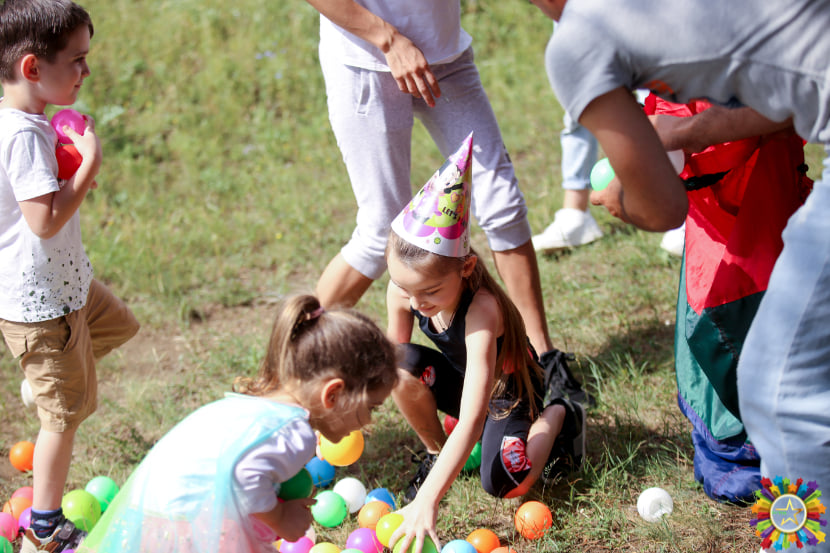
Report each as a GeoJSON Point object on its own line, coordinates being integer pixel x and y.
{"type": "Point", "coordinates": [71, 118]}
{"type": "Point", "coordinates": [302, 545]}
{"type": "Point", "coordinates": [365, 540]}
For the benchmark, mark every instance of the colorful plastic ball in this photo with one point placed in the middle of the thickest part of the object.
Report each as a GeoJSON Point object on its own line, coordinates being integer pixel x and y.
{"type": "Point", "coordinates": [302, 545]}
{"type": "Point", "coordinates": [381, 494]}
{"type": "Point", "coordinates": [504, 549]}
{"type": "Point", "coordinates": [72, 119]}
{"type": "Point", "coordinates": [364, 540]}
{"type": "Point", "coordinates": [8, 526]}
{"type": "Point", "coordinates": [16, 505]}
{"type": "Point", "coordinates": [449, 425]}
{"type": "Point", "coordinates": [386, 527]}
{"type": "Point", "coordinates": [104, 489]}
{"type": "Point", "coordinates": [533, 518]}
{"type": "Point", "coordinates": [428, 547]}
{"type": "Point", "coordinates": [474, 460]}
{"type": "Point", "coordinates": [484, 540]}
{"type": "Point", "coordinates": [351, 550]}
{"type": "Point", "coordinates": [322, 472]}
{"type": "Point", "coordinates": [26, 393]}
{"type": "Point", "coordinates": [458, 546]}
{"type": "Point", "coordinates": [324, 547]}
{"type": "Point", "coordinates": [330, 509]}
{"type": "Point", "coordinates": [21, 456]}
{"type": "Point", "coordinates": [5, 545]}
{"type": "Point", "coordinates": [82, 508]}
{"type": "Point", "coordinates": [601, 174]}
{"type": "Point", "coordinates": [69, 159]}
{"type": "Point", "coordinates": [298, 486]}
{"type": "Point", "coordinates": [25, 519]}
{"type": "Point", "coordinates": [345, 452]}
{"type": "Point", "coordinates": [24, 491]}
{"type": "Point", "coordinates": [371, 512]}
{"type": "Point", "coordinates": [353, 491]}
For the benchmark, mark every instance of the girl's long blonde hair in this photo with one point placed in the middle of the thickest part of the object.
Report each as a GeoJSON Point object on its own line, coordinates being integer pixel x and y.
{"type": "Point", "coordinates": [308, 344]}
{"type": "Point", "coordinates": [514, 360]}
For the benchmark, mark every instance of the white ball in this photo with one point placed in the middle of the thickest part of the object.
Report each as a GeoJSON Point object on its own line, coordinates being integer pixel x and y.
{"type": "Point", "coordinates": [26, 393]}
{"type": "Point", "coordinates": [352, 491]}
{"type": "Point", "coordinates": [653, 503]}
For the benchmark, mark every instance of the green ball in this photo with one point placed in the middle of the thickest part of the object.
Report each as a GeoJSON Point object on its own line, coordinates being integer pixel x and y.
{"type": "Point", "coordinates": [474, 460]}
{"type": "Point", "coordinates": [298, 486]}
{"type": "Point", "coordinates": [330, 509]}
{"type": "Point", "coordinates": [429, 546]}
{"type": "Point", "coordinates": [5, 545]}
{"type": "Point", "coordinates": [602, 174]}
{"type": "Point", "coordinates": [104, 489]}
{"type": "Point", "coordinates": [82, 508]}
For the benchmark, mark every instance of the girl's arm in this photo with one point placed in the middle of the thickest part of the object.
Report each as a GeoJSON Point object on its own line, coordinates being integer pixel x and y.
{"type": "Point", "coordinates": [651, 195]}
{"type": "Point", "coordinates": [407, 63]}
{"type": "Point", "coordinates": [400, 318]}
{"type": "Point", "coordinates": [47, 214]}
{"type": "Point", "coordinates": [289, 519]}
{"type": "Point", "coordinates": [483, 327]}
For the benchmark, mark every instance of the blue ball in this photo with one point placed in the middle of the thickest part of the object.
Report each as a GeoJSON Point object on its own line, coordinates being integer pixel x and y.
{"type": "Point", "coordinates": [322, 472]}
{"type": "Point", "coordinates": [381, 494]}
{"type": "Point", "coordinates": [458, 546]}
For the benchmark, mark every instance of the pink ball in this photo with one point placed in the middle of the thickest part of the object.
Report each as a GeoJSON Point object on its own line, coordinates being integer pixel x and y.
{"type": "Point", "coordinates": [365, 540]}
{"type": "Point", "coordinates": [8, 526]}
{"type": "Point", "coordinates": [25, 491]}
{"type": "Point", "coordinates": [70, 118]}
{"type": "Point", "coordinates": [302, 545]}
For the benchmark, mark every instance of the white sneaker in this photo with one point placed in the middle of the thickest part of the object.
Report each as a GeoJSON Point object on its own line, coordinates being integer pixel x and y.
{"type": "Point", "coordinates": [570, 228]}
{"type": "Point", "coordinates": [674, 240]}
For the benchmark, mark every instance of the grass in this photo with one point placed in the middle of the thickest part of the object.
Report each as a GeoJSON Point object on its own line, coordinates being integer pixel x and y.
{"type": "Point", "coordinates": [223, 189]}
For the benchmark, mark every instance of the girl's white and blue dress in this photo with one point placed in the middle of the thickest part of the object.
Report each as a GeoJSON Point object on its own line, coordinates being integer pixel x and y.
{"type": "Point", "coordinates": [198, 486]}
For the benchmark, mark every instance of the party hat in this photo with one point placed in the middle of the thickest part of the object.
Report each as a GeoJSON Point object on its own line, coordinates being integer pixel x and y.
{"type": "Point", "coordinates": [437, 219]}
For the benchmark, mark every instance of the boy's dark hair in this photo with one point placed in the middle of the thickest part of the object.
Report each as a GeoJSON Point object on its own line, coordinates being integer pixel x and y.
{"type": "Point", "coordinates": [39, 27]}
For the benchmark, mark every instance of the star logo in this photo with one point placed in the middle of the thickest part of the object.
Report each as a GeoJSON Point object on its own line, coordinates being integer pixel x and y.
{"type": "Point", "coordinates": [788, 513]}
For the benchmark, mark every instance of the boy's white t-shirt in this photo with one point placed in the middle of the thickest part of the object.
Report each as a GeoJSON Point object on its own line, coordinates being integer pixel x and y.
{"type": "Point", "coordinates": [434, 26]}
{"type": "Point", "coordinates": [39, 279]}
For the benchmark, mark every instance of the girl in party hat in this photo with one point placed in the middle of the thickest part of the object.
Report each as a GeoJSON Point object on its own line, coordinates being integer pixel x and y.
{"type": "Point", "coordinates": [484, 372]}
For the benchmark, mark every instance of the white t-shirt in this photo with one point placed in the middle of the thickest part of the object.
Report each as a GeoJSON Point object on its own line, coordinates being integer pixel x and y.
{"type": "Point", "coordinates": [771, 56]}
{"type": "Point", "coordinates": [39, 279]}
{"type": "Point", "coordinates": [434, 26]}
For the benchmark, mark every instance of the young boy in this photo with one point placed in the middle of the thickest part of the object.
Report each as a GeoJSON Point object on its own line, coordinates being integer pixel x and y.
{"type": "Point", "coordinates": [773, 57]}
{"type": "Point", "coordinates": [53, 315]}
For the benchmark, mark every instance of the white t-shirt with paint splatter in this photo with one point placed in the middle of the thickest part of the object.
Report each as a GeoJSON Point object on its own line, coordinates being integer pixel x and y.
{"type": "Point", "coordinates": [39, 279]}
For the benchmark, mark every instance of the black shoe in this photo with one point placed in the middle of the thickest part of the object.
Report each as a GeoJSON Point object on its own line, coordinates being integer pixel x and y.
{"type": "Point", "coordinates": [425, 461]}
{"type": "Point", "coordinates": [560, 381]}
{"type": "Point", "coordinates": [568, 450]}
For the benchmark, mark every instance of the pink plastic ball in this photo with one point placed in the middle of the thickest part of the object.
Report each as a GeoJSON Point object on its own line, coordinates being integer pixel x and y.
{"type": "Point", "coordinates": [8, 526]}
{"type": "Point", "coordinates": [25, 491]}
{"type": "Point", "coordinates": [302, 545]}
{"type": "Point", "coordinates": [71, 118]}
{"type": "Point", "coordinates": [365, 540]}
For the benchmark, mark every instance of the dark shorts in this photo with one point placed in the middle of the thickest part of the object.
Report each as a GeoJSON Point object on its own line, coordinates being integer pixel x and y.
{"type": "Point", "coordinates": [504, 463]}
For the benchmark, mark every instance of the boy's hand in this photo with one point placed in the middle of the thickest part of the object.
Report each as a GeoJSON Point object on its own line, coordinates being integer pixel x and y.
{"type": "Point", "coordinates": [88, 144]}
{"type": "Point", "coordinates": [411, 71]}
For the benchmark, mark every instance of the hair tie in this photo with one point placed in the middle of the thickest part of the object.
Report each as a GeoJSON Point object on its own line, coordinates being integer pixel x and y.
{"type": "Point", "coordinates": [314, 314]}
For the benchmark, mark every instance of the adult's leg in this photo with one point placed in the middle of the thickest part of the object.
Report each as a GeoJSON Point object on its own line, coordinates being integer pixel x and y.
{"type": "Point", "coordinates": [372, 122]}
{"type": "Point", "coordinates": [497, 201]}
{"type": "Point", "coordinates": [784, 370]}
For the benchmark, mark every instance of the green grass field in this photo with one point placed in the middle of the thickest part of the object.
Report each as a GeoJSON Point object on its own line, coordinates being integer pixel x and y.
{"type": "Point", "coordinates": [222, 190]}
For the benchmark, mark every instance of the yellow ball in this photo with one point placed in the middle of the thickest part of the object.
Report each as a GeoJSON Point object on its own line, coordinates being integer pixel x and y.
{"type": "Point", "coordinates": [386, 526]}
{"type": "Point", "coordinates": [345, 452]}
{"type": "Point", "coordinates": [324, 547]}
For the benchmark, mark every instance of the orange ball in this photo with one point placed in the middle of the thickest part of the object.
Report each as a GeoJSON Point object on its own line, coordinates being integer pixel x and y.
{"type": "Point", "coordinates": [21, 456]}
{"type": "Point", "coordinates": [533, 519]}
{"type": "Point", "coordinates": [484, 540]}
{"type": "Point", "coordinates": [16, 505]}
{"type": "Point", "coordinates": [371, 512]}
{"type": "Point", "coordinates": [504, 549]}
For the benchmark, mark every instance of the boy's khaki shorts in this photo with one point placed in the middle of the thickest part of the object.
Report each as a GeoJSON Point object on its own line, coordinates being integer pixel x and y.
{"type": "Point", "coordinates": [58, 356]}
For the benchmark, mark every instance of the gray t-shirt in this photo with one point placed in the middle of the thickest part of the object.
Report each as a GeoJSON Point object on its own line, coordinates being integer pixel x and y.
{"type": "Point", "coordinates": [770, 55]}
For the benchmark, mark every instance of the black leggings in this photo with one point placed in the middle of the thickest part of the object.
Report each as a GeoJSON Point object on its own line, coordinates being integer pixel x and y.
{"type": "Point", "coordinates": [504, 464]}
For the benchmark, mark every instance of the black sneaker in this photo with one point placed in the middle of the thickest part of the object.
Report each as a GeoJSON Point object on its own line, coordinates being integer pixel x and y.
{"type": "Point", "coordinates": [568, 450]}
{"type": "Point", "coordinates": [425, 461]}
{"type": "Point", "coordinates": [560, 381]}
{"type": "Point", "coordinates": [65, 536]}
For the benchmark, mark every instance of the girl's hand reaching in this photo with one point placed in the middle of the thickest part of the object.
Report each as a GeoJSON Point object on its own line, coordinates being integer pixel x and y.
{"type": "Point", "coordinates": [289, 519]}
{"type": "Point", "coordinates": [418, 524]}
